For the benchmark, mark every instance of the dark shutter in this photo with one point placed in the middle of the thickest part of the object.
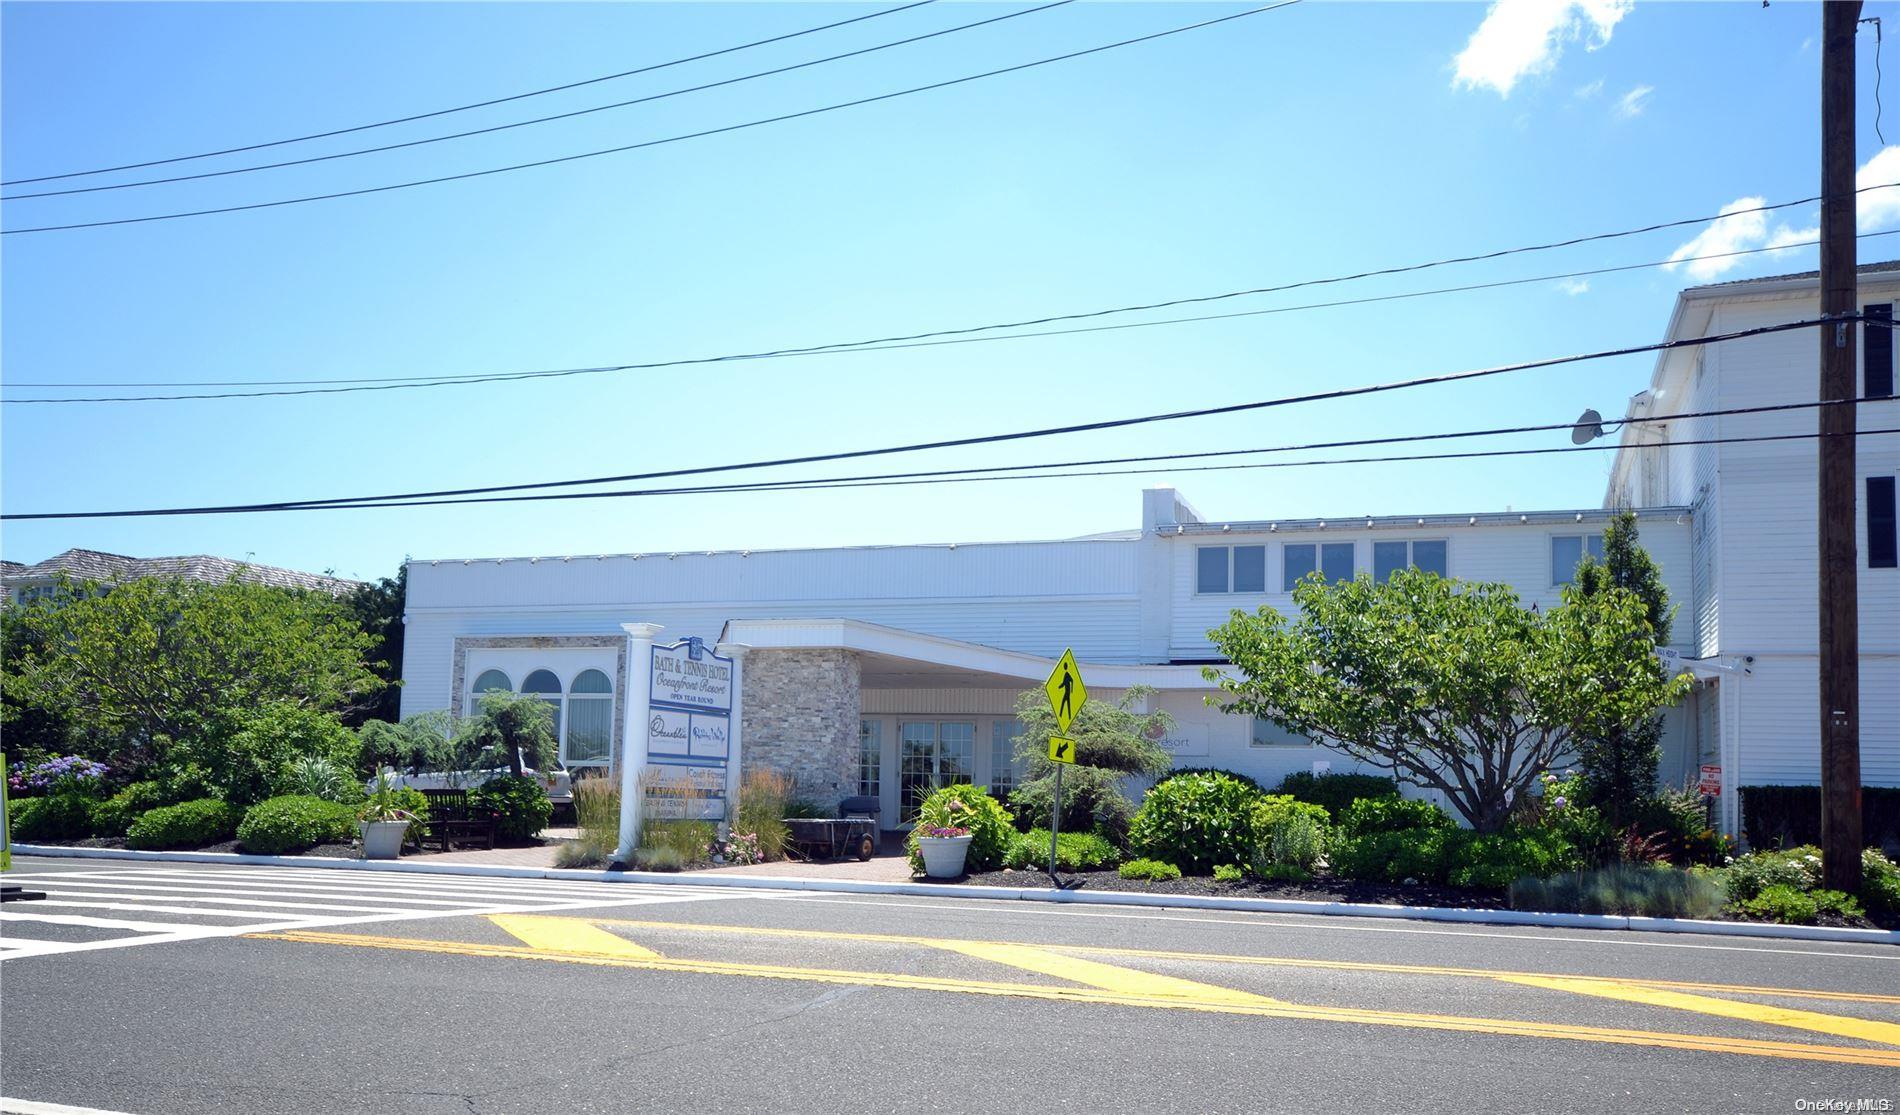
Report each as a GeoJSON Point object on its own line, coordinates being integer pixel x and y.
{"type": "Point", "coordinates": [1878, 359]}
{"type": "Point", "coordinates": [1883, 547]}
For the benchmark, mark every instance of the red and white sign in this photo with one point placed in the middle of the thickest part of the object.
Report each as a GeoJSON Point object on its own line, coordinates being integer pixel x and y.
{"type": "Point", "coordinates": [1711, 783]}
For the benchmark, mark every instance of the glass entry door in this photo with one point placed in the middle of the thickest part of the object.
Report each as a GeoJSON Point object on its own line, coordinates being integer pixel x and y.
{"type": "Point", "coordinates": [932, 754]}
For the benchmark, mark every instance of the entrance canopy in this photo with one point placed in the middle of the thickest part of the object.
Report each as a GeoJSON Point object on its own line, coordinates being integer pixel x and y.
{"type": "Point", "coordinates": [896, 659]}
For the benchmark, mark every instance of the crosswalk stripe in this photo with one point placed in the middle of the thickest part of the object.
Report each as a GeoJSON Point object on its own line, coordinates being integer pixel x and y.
{"type": "Point", "coordinates": [136, 907]}
{"type": "Point", "coordinates": [89, 921]}
{"type": "Point", "coordinates": [269, 904]}
{"type": "Point", "coordinates": [135, 890]}
{"type": "Point", "coordinates": [303, 882]}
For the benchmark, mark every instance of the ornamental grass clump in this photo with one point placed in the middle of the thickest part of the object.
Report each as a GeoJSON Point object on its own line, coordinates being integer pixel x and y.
{"type": "Point", "coordinates": [1652, 891]}
{"type": "Point", "coordinates": [763, 797]}
{"type": "Point", "coordinates": [597, 814]}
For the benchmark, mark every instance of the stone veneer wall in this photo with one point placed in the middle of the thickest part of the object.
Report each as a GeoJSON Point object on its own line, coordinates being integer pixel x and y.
{"type": "Point", "coordinates": [801, 710]}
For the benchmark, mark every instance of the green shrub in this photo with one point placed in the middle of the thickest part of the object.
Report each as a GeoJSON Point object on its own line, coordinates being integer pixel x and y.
{"type": "Point", "coordinates": [1152, 870]}
{"type": "Point", "coordinates": [192, 824]}
{"type": "Point", "coordinates": [1880, 883]}
{"type": "Point", "coordinates": [1679, 818]}
{"type": "Point", "coordinates": [65, 816]}
{"type": "Point", "coordinates": [969, 807]}
{"type": "Point", "coordinates": [1092, 801]}
{"type": "Point", "coordinates": [1390, 814]}
{"type": "Point", "coordinates": [1287, 832]}
{"type": "Point", "coordinates": [1798, 868]}
{"type": "Point", "coordinates": [1245, 780]}
{"type": "Point", "coordinates": [1283, 873]}
{"type": "Point", "coordinates": [1075, 851]}
{"type": "Point", "coordinates": [1654, 891]}
{"type": "Point", "coordinates": [520, 803]}
{"type": "Point", "coordinates": [295, 823]}
{"type": "Point", "coordinates": [1196, 821]}
{"type": "Point", "coordinates": [113, 816]}
{"type": "Point", "coordinates": [1424, 855]}
{"type": "Point", "coordinates": [1498, 859]}
{"type": "Point", "coordinates": [1336, 792]}
{"type": "Point", "coordinates": [1789, 906]}
{"type": "Point", "coordinates": [246, 760]}
{"type": "Point", "coordinates": [1228, 873]}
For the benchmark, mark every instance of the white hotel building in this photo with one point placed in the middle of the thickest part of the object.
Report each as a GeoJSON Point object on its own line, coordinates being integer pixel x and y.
{"type": "Point", "coordinates": [887, 670]}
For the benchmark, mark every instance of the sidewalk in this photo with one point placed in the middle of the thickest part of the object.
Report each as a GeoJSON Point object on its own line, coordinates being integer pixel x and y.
{"type": "Point", "coordinates": [886, 867]}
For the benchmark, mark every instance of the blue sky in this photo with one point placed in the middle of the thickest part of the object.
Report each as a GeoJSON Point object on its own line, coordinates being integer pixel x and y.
{"type": "Point", "coordinates": [1321, 139]}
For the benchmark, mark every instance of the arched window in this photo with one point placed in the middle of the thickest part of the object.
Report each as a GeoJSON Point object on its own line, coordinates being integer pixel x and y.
{"type": "Point", "coordinates": [490, 681]}
{"type": "Point", "coordinates": [543, 684]}
{"type": "Point", "coordinates": [590, 719]}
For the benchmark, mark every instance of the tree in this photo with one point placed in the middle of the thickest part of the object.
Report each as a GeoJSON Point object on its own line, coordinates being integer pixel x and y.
{"type": "Point", "coordinates": [145, 663]}
{"type": "Point", "coordinates": [377, 608]}
{"type": "Point", "coordinates": [1112, 742]}
{"type": "Point", "coordinates": [1450, 686]}
{"type": "Point", "coordinates": [512, 729]}
{"type": "Point", "coordinates": [415, 743]}
{"type": "Point", "coordinates": [1619, 763]}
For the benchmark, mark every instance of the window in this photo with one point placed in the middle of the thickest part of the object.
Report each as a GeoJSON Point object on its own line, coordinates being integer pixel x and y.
{"type": "Point", "coordinates": [870, 756]}
{"type": "Point", "coordinates": [543, 684]}
{"type": "Point", "coordinates": [1230, 569]}
{"type": "Point", "coordinates": [1335, 561]}
{"type": "Point", "coordinates": [1883, 547]}
{"type": "Point", "coordinates": [490, 681]}
{"type": "Point", "coordinates": [1212, 575]}
{"type": "Point", "coordinates": [1390, 557]}
{"type": "Point", "coordinates": [1877, 352]}
{"type": "Point", "coordinates": [931, 755]}
{"type": "Point", "coordinates": [1003, 736]}
{"type": "Point", "coordinates": [1295, 563]}
{"type": "Point", "coordinates": [1268, 734]}
{"type": "Point", "coordinates": [1566, 553]}
{"type": "Point", "coordinates": [590, 720]}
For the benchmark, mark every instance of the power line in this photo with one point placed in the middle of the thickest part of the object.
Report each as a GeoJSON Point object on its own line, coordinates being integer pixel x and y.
{"type": "Point", "coordinates": [992, 439]}
{"type": "Point", "coordinates": [845, 483]}
{"type": "Point", "coordinates": [539, 119]}
{"type": "Point", "coordinates": [475, 105]}
{"type": "Point", "coordinates": [386, 383]}
{"type": "Point", "coordinates": [664, 140]}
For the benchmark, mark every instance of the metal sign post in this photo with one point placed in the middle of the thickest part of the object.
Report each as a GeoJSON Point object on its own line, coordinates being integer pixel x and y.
{"type": "Point", "coordinates": [1067, 695]}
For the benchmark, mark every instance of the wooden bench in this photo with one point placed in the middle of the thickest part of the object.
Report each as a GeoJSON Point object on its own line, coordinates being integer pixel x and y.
{"type": "Point", "coordinates": [452, 819]}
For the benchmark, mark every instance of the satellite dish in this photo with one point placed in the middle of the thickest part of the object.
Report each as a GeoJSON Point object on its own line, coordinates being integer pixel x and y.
{"type": "Point", "coordinates": [1589, 427]}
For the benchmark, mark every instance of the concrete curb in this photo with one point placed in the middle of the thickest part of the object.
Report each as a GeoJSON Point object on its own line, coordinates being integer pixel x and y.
{"type": "Point", "coordinates": [1025, 894]}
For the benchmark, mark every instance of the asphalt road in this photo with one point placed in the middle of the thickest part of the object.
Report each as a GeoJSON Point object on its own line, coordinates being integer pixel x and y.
{"type": "Point", "coordinates": [182, 988]}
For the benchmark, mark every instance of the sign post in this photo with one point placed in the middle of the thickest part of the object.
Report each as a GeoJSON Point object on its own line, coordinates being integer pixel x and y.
{"type": "Point", "coordinates": [1067, 695]}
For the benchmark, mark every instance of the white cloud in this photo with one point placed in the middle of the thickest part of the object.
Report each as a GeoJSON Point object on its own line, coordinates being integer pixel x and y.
{"type": "Point", "coordinates": [1878, 209]}
{"type": "Point", "coordinates": [1524, 38]}
{"type": "Point", "coordinates": [1585, 92]}
{"type": "Point", "coordinates": [1574, 287]}
{"type": "Point", "coordinates": [1633, 103]}
{"type": "Point", "coordinates": [1735, 230]}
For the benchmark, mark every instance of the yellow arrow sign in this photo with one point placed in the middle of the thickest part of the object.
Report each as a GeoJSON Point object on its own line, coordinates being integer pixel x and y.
{"type": "Point", "coordinates": [1066, 692]}
{"type": "Point", "coordinates": [1061, 749]}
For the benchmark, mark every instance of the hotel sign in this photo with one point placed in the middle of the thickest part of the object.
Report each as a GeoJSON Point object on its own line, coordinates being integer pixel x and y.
{"type": "Point", "coordinates": [689, 712]}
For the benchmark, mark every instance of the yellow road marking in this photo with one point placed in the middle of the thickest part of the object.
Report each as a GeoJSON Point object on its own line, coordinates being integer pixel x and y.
{"type": "Point", "coordinates": [1090, 973]}
{"type": "Point", "coordinates": [1267, 1009]}
{"type": "Point", "coordinates": [1838, 1025]}
{"type": "Point", "coordinates": [1269, 961]}
{"type": "Point", "coordinates": [567, 935]}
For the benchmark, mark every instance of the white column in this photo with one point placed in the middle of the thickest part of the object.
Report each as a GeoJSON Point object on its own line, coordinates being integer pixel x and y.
{"type": "Point", "coordinates": [633, 741]}
{"type": "Point", "coordinates": [734, 733]}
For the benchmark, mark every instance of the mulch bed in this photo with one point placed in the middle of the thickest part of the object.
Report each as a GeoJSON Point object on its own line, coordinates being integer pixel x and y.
{"type": "Point", "coordinates": [1319, 890]}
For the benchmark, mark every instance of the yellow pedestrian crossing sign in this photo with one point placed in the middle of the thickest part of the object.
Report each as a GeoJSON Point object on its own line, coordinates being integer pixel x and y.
{"type": "Point", "coordinates": [1066, 692]}
{"type": "Point", "coordinates": [1061, 749]}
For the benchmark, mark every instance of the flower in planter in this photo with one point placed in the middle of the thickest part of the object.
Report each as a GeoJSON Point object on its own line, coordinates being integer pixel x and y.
{"type": "Point", "coordinates": [948, 832]}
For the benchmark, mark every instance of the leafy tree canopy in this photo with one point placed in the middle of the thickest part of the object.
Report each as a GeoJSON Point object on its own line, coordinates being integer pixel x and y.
{"type": "Point", "coordinates": [154, 660]}
{"type": "Point", "coordinates": [1450, 686]}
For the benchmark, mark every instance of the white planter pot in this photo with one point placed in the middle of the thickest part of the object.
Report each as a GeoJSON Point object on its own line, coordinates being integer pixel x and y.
{"type": "Point", "coordinates": [943, 855]}
{"type": "Point", "coordinates": [383, 839]}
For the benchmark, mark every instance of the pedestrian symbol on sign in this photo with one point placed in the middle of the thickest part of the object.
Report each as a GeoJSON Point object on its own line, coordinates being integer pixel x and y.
{"type": "Point", "coordinates": [1066, 692]}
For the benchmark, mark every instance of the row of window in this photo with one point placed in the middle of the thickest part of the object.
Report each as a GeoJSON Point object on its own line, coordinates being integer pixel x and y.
{"type": "Point", "coordinates": [583, 712]}
{"type": "Point", "coordinates": [935, 753]}
{"type": "Point", "coordinates": [1230, 569]}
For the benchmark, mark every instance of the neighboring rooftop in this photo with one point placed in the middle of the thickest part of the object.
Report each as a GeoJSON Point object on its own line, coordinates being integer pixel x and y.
{"type": "Point", "coordinates": [96, 565]}
{"type": "Point", "coordinates": [1882, 266]}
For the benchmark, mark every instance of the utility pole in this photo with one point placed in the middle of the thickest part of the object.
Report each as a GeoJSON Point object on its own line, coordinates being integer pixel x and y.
{"type": "Point", "coordinates": [1839, 589]}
